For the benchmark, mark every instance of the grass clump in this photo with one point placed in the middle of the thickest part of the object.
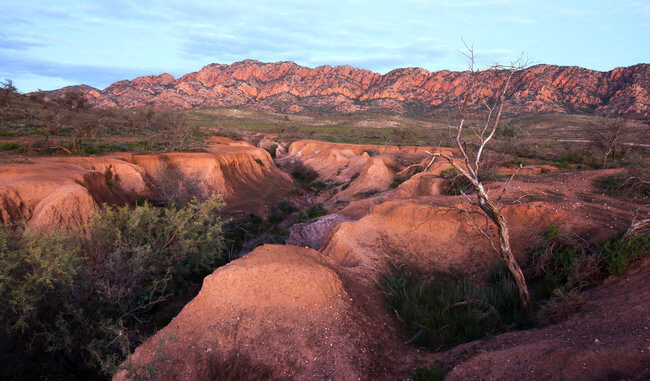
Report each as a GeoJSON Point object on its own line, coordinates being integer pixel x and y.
{"type": "Point", "coordinates": [77, 302]}
{"type": "Point", "coordinates": [446, 312]}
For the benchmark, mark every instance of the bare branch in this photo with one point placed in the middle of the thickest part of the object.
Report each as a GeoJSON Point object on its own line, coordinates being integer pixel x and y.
{"type": "Point", "coordinates": [505, 186]}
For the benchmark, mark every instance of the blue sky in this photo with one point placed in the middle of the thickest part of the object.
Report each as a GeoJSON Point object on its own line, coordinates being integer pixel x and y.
{"type": "Point", "coordinates": [49, 44]}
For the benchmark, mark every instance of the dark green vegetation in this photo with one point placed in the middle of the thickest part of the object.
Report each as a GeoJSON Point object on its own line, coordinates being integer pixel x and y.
{"type": "Point", "coordinates": [450, 310]}
{"type": "Point", "coordinates": [244, 234]}
{"type": "Point", "coordinates": [77, 302]}
{"type": "Point", "coordinates": [432, 373]}
{"type": "Point", "coordinates": [304, 176]}
{"type": "Point", "coordinates": [563, 265]}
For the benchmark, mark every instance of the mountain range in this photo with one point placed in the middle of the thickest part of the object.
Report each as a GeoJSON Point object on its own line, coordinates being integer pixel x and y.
{"type": "Point", "coordinates": [290, 88]}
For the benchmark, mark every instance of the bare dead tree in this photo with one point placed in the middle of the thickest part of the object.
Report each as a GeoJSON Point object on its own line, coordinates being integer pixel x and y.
{"type": "Point", "coordinates": [84, 125]}
{"type": "Point", "coordinates": [472, 162]}
{"type": "Point", "coordinates": [608, 137]}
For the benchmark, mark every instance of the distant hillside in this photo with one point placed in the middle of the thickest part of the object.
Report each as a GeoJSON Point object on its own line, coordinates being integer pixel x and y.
{"type": "Point", "coordinates": [288, 87]}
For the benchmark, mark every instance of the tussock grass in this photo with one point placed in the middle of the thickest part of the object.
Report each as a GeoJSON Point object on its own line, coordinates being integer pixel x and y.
{"type": "Point", "coordinates": [446, 312]}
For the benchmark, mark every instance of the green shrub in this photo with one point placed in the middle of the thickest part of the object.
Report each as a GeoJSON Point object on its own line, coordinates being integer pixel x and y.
{"type": "Point", "coordinates": [372, 152]}
{"type": "Point", "coordinates": [314, 211]}
{"type": "Point", "coordinates": [77, 302]}
{"type": "Point", "coordinates": [447, 312]}
{"type": "Point", "coordinates": [397, 180]}
{"type": "Point", "coordinates": [318, 185]}
{"type": "Point", "coordinates": [286, 207]}
{"type": "Point", "coordinates": [260, 162]}
{"type": "Point", "coordinates": [559, 261]}
{"type": "Point", "coordinates": [9, 146]}
{"type": "Point", "coordinates": [562, 266]}
{"type": "Point", "coordinates": [562, 164]}
{"type": "Point", "coordinates": [619, 254]}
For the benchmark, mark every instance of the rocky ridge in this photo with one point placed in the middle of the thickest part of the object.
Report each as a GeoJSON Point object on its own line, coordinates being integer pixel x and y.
{"type": "Point", "coordinates": [291, 88]}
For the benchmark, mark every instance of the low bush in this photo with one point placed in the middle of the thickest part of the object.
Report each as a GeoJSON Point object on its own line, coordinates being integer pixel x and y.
{"type": "Point", "coordinates": [397, 180]}
{"type": "Point", "coordinates": [78, 301]}
{"type": "Point", "coordinates": [319, 185]}
{"type": "Point", "coordinates": [620, 253]}
{"type": "Point", "coordinates": [9, 146]}
{"type": "Point", "coordinates": [302, 174]}
{"type": "Point", "coordinates": [455, 183]}
{"type": "Point", "coordinates": [562, 164]}
{"type": "Point", "coordinates": [446, 312]}
{"type": "Point", "coordinates": [562, 266]}
{"type": "Point", "coordinates": [314, 211]}
{"type": "Point", "coordinates": [561, 305]}
{"type": "Point", "coordinates": [559, 261]}
{"type": "Point", "coordinates": [625, 185]}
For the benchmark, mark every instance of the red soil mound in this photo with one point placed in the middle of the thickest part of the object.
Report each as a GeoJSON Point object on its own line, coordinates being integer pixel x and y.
{"type": "Point", "coordinates": [433, 234]}
{"type": "Point", "coordinates": [279, 306]}
{"type": "Point", "coordinates": [50, 192]}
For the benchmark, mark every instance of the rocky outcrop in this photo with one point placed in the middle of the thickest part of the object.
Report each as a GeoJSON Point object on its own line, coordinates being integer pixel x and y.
{"type": "Point", "coordinates": [291, 88]}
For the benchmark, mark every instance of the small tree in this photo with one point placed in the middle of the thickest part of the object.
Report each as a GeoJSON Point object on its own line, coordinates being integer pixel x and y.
{"type": "Point", "coordinates": [7, 88]}
{"type": "Point", "coordinates": [72, 100]}
{"type": "Point", "coordinates": [608, 137]}
{"type": "Point", "coordinates": [472, 161]}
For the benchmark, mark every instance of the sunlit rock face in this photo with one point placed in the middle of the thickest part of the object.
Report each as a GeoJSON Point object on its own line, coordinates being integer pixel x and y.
{"type": "Point", "coordinates": [288, 87]}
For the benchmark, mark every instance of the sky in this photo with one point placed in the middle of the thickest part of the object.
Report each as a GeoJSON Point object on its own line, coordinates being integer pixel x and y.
{"type": "Point", "coordinates": [50, 44]}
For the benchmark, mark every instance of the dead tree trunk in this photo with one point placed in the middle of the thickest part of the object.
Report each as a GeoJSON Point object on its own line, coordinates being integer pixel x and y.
{"type": "Point", "coordinates": [471, 167]}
